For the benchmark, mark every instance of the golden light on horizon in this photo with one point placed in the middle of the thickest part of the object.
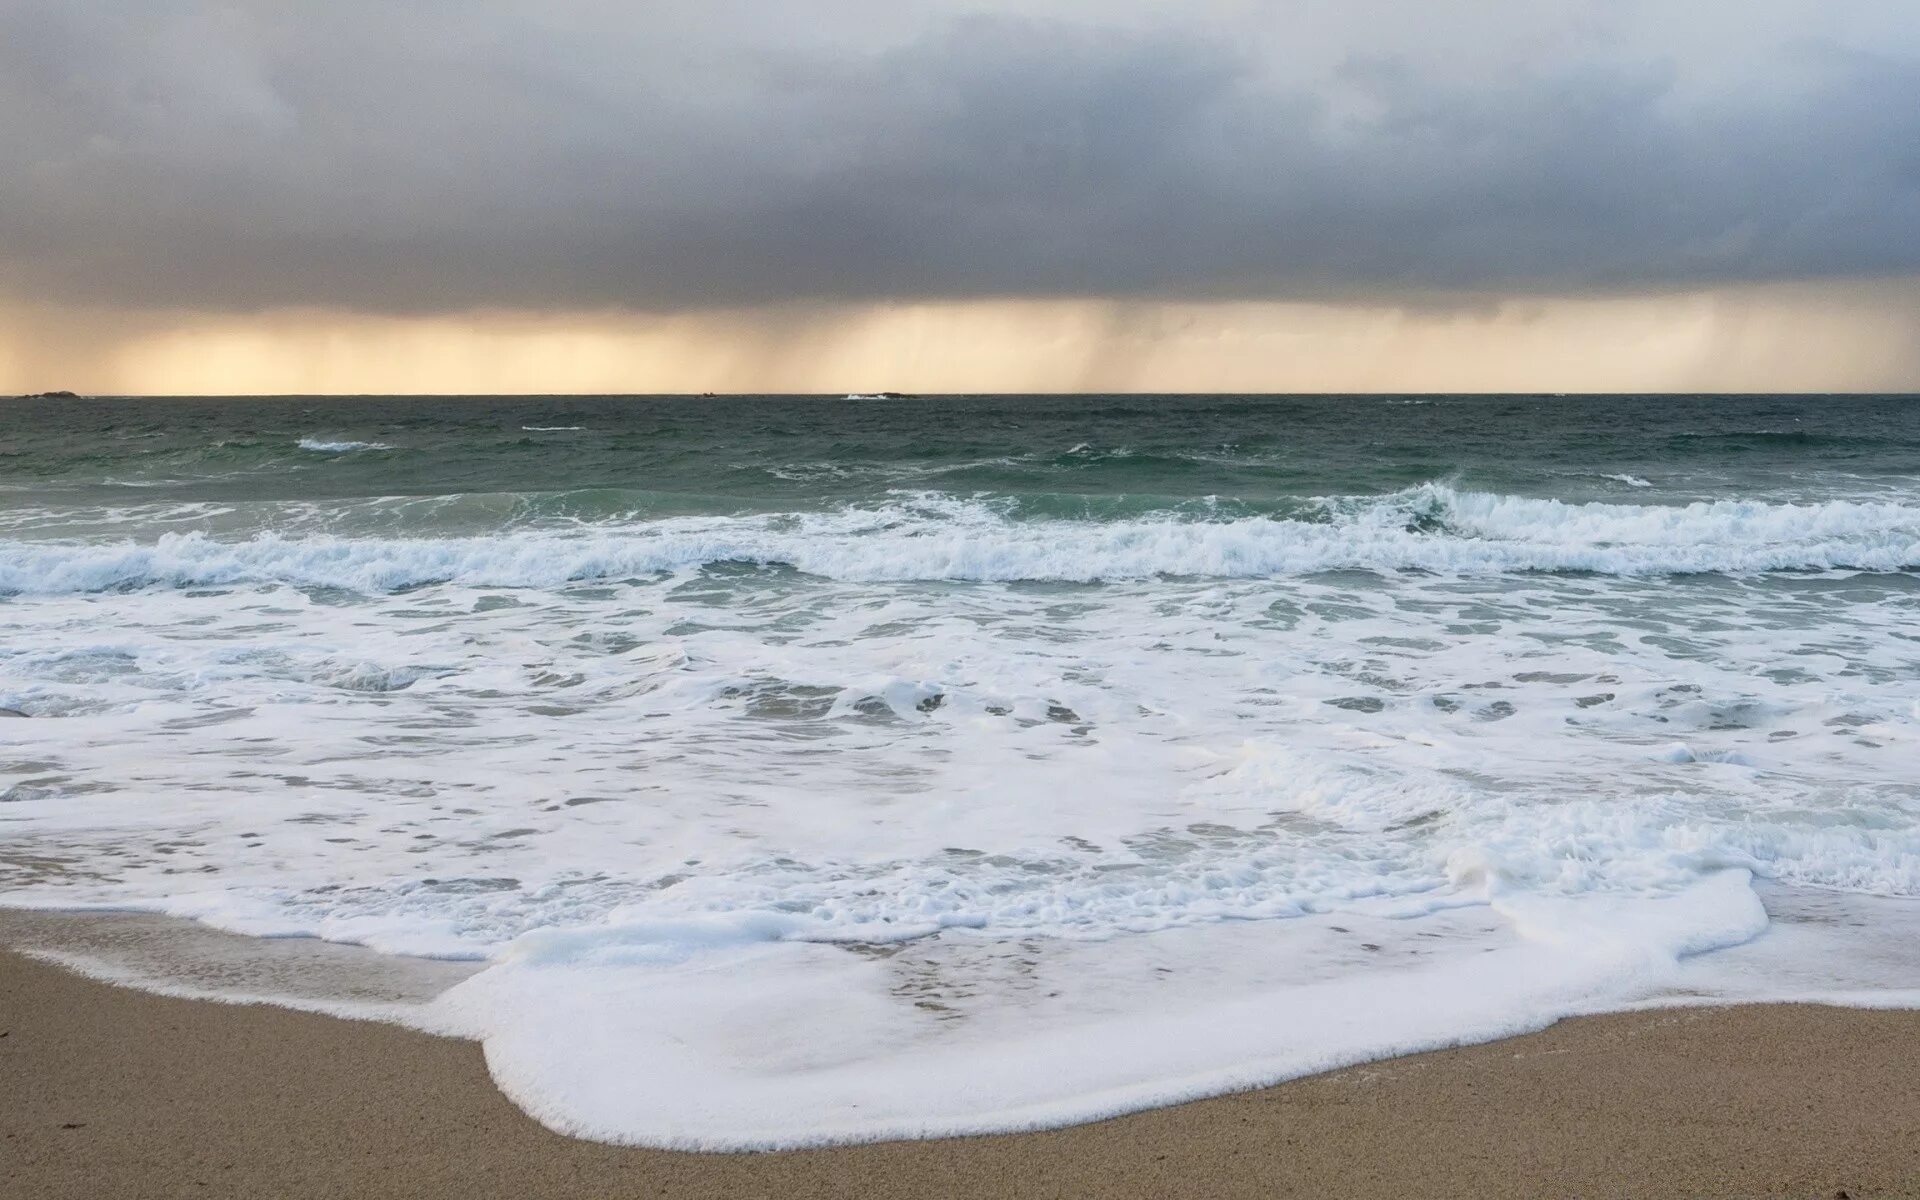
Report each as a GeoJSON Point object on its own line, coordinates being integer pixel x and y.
{"type": "Point", "coordinates": [1826, 337]}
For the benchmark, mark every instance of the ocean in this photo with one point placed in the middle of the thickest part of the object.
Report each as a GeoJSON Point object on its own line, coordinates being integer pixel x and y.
{"type": "Point", "coordinates": [802, 769]}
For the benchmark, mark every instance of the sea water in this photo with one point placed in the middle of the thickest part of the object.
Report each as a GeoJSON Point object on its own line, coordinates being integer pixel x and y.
{"type": "Point", "coordinates": [802, 769]}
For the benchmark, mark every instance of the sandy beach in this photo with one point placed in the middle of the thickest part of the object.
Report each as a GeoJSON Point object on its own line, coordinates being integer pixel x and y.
{"type": "Point", "coordinates": [953, 598]}
{"type": "Point", "coordinates": [114, 1092]}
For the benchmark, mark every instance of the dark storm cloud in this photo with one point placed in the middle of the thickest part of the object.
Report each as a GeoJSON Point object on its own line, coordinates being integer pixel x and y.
{"type": "Point", "coordinates": [444, 156]}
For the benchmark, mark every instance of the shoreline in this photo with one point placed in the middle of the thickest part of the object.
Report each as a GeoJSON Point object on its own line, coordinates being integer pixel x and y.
{"type": "Point", "coordinates": [107, 1090]}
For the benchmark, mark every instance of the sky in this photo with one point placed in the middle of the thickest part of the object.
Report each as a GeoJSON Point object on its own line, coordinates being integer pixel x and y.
{"type": "Point", "coordinates": [501, 195]}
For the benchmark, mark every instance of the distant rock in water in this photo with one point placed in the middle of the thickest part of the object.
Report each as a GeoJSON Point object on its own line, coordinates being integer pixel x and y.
{"type": "Point", "coordinates": [50, 396]}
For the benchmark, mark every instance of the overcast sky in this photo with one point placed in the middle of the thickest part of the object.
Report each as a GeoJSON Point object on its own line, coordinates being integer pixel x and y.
{"type": "Point", "coordinates": [438, 157]}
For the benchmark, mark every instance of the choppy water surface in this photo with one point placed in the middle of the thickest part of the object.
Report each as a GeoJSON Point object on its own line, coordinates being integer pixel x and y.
{"type": "Point", "coordinates": [816, 769]}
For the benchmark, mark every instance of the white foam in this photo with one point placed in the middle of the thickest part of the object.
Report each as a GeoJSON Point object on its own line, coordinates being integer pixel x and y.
{"type": "Point", "coordinates": [1432, 528]}
{"type": "Point", "coordinates": [322, 446]}
{"type": "Point", "coordinates": [836, 1058]}
{"type": "Point", "coordinates": [743, 850]}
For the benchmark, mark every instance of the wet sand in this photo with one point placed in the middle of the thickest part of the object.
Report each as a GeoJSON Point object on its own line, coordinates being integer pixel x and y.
{"type": "Point", "coordinates": [106, 1091]}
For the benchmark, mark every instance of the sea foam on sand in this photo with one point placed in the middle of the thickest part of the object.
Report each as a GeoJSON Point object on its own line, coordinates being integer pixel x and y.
{"type": "Point", "coordinates": [724, 1037]}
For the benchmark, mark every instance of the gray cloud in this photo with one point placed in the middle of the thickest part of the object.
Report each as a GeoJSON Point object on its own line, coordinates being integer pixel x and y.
{"type": "Point", "coordinates": [441, 156]}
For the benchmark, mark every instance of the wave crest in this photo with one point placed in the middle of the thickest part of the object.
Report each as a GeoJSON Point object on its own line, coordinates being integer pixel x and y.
{"type": "Point", "coordinates": [321, 446]}
{"type": "Point", "coordinates": [1432, 528]}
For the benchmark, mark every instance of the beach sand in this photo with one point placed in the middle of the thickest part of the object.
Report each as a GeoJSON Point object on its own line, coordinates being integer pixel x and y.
{"type": "Point", "coordinates": [107, 1091]}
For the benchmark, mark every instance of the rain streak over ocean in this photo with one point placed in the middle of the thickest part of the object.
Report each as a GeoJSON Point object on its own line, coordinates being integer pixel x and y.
{"type": "Point", "coordinates": [795, 770]}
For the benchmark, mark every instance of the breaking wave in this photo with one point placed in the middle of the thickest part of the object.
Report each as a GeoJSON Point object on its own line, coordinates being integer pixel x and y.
{"type": "Point", "coordinates": [1432, 528]}
{"type": "Point", "coordinates": [318, 446]}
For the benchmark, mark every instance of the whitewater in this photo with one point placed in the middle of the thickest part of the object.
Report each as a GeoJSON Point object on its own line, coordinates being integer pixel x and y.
{"type": "Point", "coordinates": [796, 771]}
